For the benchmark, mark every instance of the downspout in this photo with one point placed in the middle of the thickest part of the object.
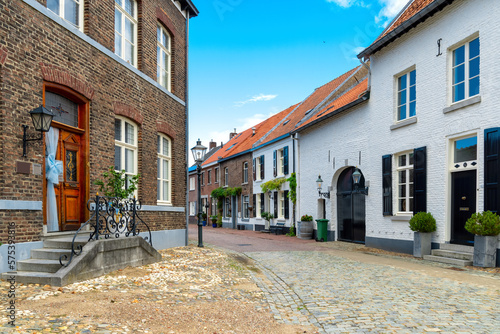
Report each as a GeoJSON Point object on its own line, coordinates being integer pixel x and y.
{"type": "Point", "coordinates": [369, 73]}
{"type": "Point", "coordinates": [186, 98]}
{"type": "Point", "coordinates": [295, 139]}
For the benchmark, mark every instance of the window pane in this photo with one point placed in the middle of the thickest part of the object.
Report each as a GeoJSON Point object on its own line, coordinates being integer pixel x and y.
{"type": "Point", "coordinates": [402, 113]}
{"type": "Point", "coordinates": [402, 97]}
{"type": "Point", "coordinates": [402, 190]}
{"type": "Point", "coordinates": [118, 44]}
{"type": "Point", "coordinates": [466, 149]}
{"type": "Point", "coordinates": [158, 143]}
{"type": "Point", "coordinates": [411, 175]}
{"type": "Point", "coordinates": [474, 67]}
{"type": "Point", "coordinates": [474, 48]}
{"type": "Point", "coordinates": [118, 21]}
{"type": "Point", "coordinates": [459, 74]}
{"type": "Point", "coordinates": [165, 191]}
{"type": "Point", "coordinates": [118, 129]}
{"type": "Point", "coordinates": [158, 34]}
{"type": "Point", "coordinates": [402, 82]}
{"type": "Point", "coordinates": [65, 111]}
{"type": "Point", "coordinates": [474, 86]}
{"type": "Point", "coordinates": [165, 169]}
{"type": "Point", "coordinates": [459, 56]}
{"type": "Point", "coordinates": [411, 158]}
{"type": "Point", "coordinates": [166, 147]}
{"type": "Point", "coordinates": [129, 53]}
{"type": "Point", "coordinates": [413, 77]}
{"type": "Point", "coordinates": [402, 176]}
{"type": "Point", "coordinates": [459, 92]}
{"type": "Point", "coordinates": [411, 204]}
{"type": "Point", "coordinates": [402, 205]}
{"type": "Point", "coordinates": [129, 7]}
{"type": "Point", "coordinates": [118, 158]}
{"type": "Point", "coordinates": [129, 134]}
{"type": "Point", "coordinates": [129, 161]}
{"type": "Point", "coordinates": [53, 5]}
{"type": "Point", "coordinates": [129, 30]}
{"type": "Point", "coordinates": [402, 160]}
{"type": "Point", "coordinates": [158, 168]}
{"type": "Point", "coordinates": [71, 11]}
{"type": "Point", "coordinates": [411, 190]}
{"type": "Point", "coordinates": [413, 110]}
{"type": "Point", "coordinates": [413, 93]}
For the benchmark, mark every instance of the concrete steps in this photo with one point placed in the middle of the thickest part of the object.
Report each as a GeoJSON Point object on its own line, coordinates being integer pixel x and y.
{"type": "Point", "coordinates": [457, 255]}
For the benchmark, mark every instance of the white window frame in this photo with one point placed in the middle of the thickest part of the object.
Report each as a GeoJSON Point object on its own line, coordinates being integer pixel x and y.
{"type": "Point", "coordinates": [216, 175]}
{"type": "Point", "coordinates": [192, 208]}
{"type": "Point", "coordinates": [161, 173]}
{"type": "Point", "coordinates": [245, 172]}
{"type": "Point", "coordinates": [469, 164]}
{"type": "Point", "coordinates": [227, 207]}
{"type": "Point", "coordinates": [246, 204]}
{"type": "Point", "coordinates": [281, 205]}
{"type": "Point", "coordinates": [209, 176]}
{"type": "Point", "coordinates": [280, 156]}
{"type": "Point", "coordinates": [257, 170]}
{"type": "Point", "coordinates": [226, 177]}
{"type": "Point", "coordinates": [61, 11]}
{"type": "Point", "coordinates": [124, 146]}
{"type": "Point", "coordinates": [466, 45]}
{"type": "Point", "coordinates": [161, 50]}
{"type": "Point", "coordinates": [407, 92]}
{"type": "Point", "coordinates": [256, 206]}
{"type": "Point", "coordinates": [119, 6]}
{"type": "Point", "coordinates": [408, 169]}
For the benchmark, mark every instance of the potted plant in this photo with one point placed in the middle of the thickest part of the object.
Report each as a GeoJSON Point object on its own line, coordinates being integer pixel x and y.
{"type": "Point", "coordinates": [267, 216]}
{"type": "Point", "coordinates": [423, 224]}
{"type": "Point", "coordinates": [486, 227]}
{"type": "Point", "coordinates": [214, 221]}
{"type": "Point", "coordinates": [305, 227]}
{"type": "Point", "coordinates": [219, 220]}
{"type": "Point", "coordinates": [204, 219]}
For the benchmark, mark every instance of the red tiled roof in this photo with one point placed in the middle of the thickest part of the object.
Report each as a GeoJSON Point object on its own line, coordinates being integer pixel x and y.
{"type": "Point", "coordinates": [309, 103]}
{"type": "Point", "coordinates": [410, 11]}
{"type": "Point", "coordinates": [243, 141]}
{"type": "Point", "coordinates": [348, 97]}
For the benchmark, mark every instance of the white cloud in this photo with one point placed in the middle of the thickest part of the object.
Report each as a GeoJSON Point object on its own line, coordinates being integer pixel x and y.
{"type": "Point", "coordinates": [390, 8]}
{"type": "Point", "coordinates": [257, 98]}
{"type": "Point", "coordinates": [343, 3]}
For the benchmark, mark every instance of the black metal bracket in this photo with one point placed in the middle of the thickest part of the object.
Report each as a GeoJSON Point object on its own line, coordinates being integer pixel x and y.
{"type": "Point", "coordinates": [26, 140]}
{"type": "Point", "coordinates": [439, 47]}
{"type": "Point", "coordinates": [325, 194]}
{"type": "Point", "coordinates": [359, 190]}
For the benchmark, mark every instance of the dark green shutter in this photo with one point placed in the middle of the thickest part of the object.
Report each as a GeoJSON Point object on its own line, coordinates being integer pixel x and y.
{"type": "Point", "coordinates": [275, 204]}
{"type": "Point", "coordinates": [285, 159]}
{"type": "Point", "coordinates": [275, 172]}
{"type": "Point", "coordinates": [419, 180]}
{"type": "Point", "coordinates": [387, 184]}
{"type": "Point", "coordinates": [262, 167]}
{"type": "Point", "coordinates": [287, 215]}
{"type": "Point", "coordinates": [254, 207]}
{"type": "Point", "coordinates": [254, 174]}
{"type": "Point", "coordinates": [491, 170]}
{"type": "Point", "coordinates": [262, 203]}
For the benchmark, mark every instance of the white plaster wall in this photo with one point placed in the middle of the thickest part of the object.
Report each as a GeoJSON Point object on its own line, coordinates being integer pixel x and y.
{"type": "Point", "coordinates": [367, 128]}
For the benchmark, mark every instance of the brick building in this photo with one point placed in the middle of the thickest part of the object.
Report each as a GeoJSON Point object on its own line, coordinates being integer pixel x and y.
{"type": "Point", "coordinates": [114, 73]}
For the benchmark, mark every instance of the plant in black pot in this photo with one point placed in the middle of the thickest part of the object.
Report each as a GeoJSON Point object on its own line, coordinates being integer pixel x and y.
{"type": "Point", "coordinates": [423, 224]}
{"type": "Point", "coordinates": [486, 227]}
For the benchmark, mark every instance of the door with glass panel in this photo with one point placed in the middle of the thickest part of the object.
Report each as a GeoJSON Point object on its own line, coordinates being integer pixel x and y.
{"type": "Point", "coordinates": [70, 191]}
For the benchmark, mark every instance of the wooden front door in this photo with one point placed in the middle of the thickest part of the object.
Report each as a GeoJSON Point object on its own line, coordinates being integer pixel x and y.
{"type": "Point", "coordinates": [70, 192]}
{"type": "Point", "coordinates": [463, 205]}
{"type": "Point", "coordinates": [350, 209]}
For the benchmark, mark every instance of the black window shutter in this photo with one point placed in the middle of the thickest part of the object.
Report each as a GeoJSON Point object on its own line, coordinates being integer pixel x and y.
{"type": "Point", "coordinates": [387, 184]}
{"type": "Point", "coordinates": [287, 215]}
{"type": "Point", "coordinates": [254, 203]}
{"type": "Point", "coordinates": [262, 167]}
{"type": "Point", "coordinates": [420, 180]}
{"type": "Point", "coordinates": [275, 204]}
{"type": "Point", "coordinates": [491, 170]}
{"type": "Point", "coordinates": [275, 172]}
{"type": "Point", "coordinates": [254, 174]}
{"type": "Point", "coordinates": [262, 203]}
{"type": "Point", "coordinates": [285, 159]}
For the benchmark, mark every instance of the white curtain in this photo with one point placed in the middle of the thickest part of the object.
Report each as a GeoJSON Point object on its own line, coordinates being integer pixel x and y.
{"type": "Point", "coordinates": [53, 168]}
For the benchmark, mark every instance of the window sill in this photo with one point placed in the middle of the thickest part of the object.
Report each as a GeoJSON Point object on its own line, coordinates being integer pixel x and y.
{"type": "Point", "coordinates": [404, 123]}
{"type": "Point", "coordinates": [162, 203]}
{"type": "Point", "coordinates": [462, 104]}
{"type": "Point", "coordinates": [244, 183]}
{"type": "Point", "coordinates": [402, 217]}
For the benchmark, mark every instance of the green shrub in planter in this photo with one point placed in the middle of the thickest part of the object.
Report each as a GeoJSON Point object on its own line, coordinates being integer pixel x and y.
{"type": "Point", "coordinates": [483, 223]}
{"type": "Point", "coordinates": [423, 222]}
{"type": "Point", "coordinates": [306, 218]}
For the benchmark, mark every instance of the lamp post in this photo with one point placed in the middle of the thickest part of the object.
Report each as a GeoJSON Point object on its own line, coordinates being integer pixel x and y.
{"type": "Point", "coordinates": [199, 154]}
{"type": "Point", "coordinates": [319, 182]}
{"type": "Point", "coordinates": [42, 119]}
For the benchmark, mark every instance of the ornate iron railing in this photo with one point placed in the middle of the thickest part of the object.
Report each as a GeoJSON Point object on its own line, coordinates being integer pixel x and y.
{"type": "Point", "coordinates": [111, 218]}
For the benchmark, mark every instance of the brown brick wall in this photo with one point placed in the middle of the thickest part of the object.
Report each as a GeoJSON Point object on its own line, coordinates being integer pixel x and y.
{"type": "Point", "coordinates": [235, 166]}
{"type": "Point", "coordinates": [35, 42]}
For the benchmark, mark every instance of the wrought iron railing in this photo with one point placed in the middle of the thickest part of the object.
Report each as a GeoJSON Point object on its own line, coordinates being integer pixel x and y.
{"type": "Point", "coordinates": [111, 217]}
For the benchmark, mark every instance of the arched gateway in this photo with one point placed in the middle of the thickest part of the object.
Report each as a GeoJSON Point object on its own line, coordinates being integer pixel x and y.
{"type": "Point", "coordinates": [350, 208]}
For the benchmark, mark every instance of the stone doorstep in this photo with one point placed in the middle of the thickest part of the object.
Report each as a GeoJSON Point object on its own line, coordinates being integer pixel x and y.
{"type": "Point", "coordinates": [457, 255]}
{"type": "Point", "coordinates": [452, 254]}
{"type": "Point", "coordinates": [448, 260]}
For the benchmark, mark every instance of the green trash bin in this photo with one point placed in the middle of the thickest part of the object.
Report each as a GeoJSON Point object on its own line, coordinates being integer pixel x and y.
{"type": "Point", "coordinates": [322, 231]}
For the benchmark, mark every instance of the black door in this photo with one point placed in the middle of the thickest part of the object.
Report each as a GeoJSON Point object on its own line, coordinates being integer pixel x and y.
{"type": "Point", "coordinates": [463, 205]}
{"type": "Point", "coordinates": [350, 208]}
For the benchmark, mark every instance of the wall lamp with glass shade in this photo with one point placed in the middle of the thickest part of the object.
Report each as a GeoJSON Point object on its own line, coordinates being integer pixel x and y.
{"type": "Point", "coordinates": [319, 182]}
{"type": "Point", "coordinates": [356, 178]}
{"type": "Point", "coordinates": [42, 118]}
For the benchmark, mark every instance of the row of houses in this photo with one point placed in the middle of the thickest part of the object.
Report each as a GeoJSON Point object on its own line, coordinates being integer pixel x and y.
{"type": "Point", "coordinates": [417, 118]}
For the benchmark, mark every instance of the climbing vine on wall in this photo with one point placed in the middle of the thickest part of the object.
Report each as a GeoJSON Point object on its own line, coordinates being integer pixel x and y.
{"type": "Point", "coordinates": [271, 185]}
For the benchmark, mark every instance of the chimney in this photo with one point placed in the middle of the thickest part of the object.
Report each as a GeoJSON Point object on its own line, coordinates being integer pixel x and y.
{"type": "Point", "coordinates": [232, 134]}
{"type": "Point", "coordinates": [253, 131]}
{"type": "Point", "coordinates": [212, 145]}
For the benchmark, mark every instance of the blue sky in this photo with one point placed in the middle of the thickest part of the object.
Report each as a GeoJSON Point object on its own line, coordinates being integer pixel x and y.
{"type": "Point", "coordinates": [250, 59]}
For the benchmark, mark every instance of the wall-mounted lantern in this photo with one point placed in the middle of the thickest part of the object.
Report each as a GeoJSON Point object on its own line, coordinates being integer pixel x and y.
{"type": "Point", "coordinates": [319, 182]}
{"type": "Point", "coordinates": [356, 177]}
{"type": "Point", "coordinates": [42, 118]}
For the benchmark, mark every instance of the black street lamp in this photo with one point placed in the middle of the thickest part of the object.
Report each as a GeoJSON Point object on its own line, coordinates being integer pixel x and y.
{"type": "Point", "coordinates": [42, 118]}
{"type": "Point", "coordinates": [199, 155]}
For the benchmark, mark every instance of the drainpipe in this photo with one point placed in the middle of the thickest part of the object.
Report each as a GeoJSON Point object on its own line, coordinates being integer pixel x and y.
{"type": "Point", "coordinates": [186, 98]}
{"type": "Point", "coordinates": [369, 73]}
{"type": "Point", "coordinates": [295, 140]}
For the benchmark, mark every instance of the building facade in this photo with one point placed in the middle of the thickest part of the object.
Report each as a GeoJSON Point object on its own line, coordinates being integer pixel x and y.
{"type": "Point", "coordinates": [114, 75]}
